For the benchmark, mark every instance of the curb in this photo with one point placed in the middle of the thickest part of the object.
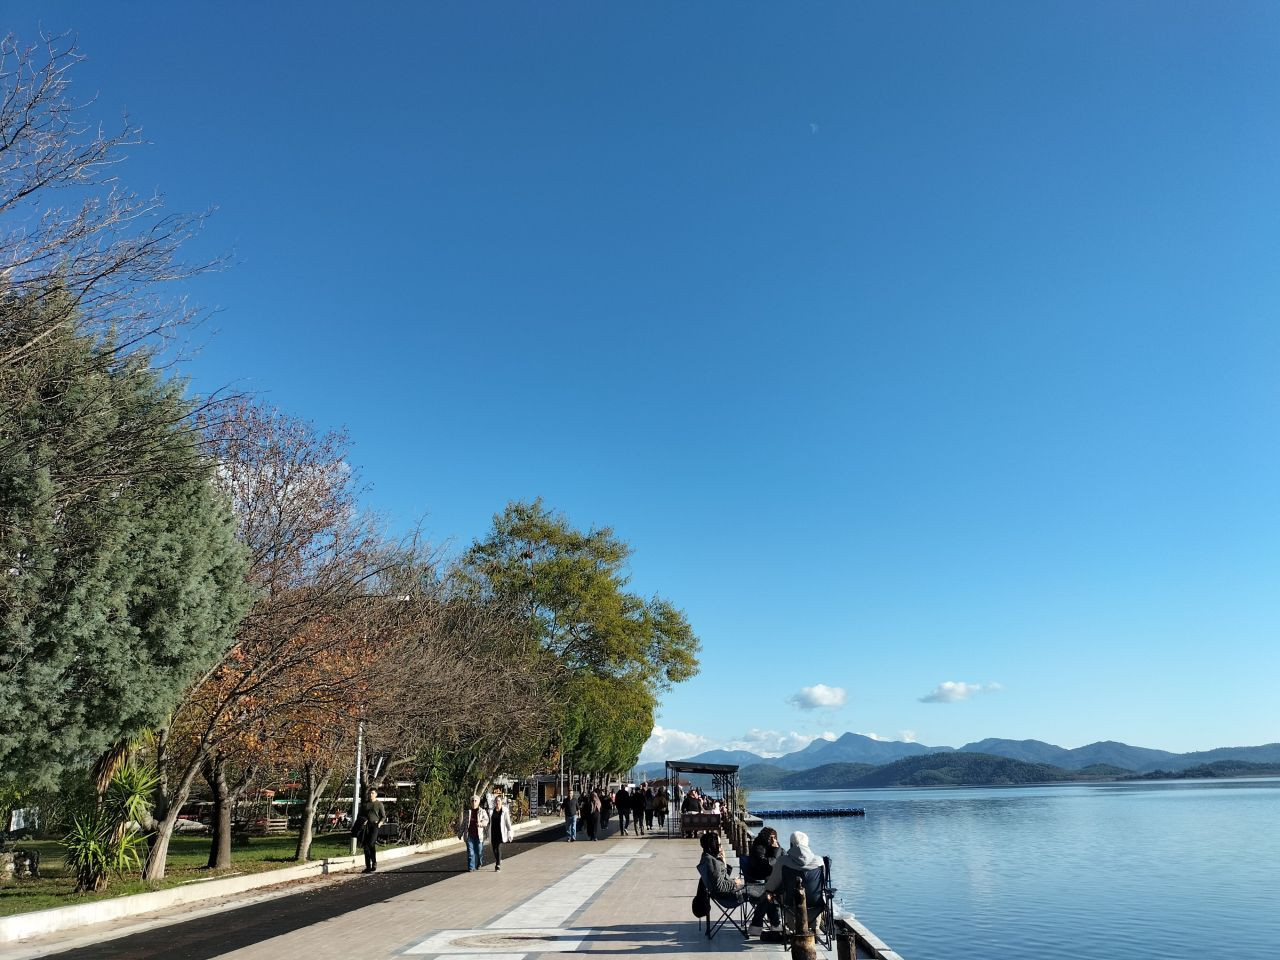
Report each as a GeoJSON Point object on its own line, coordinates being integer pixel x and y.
{"type": "Point", "coordinates": [22, 926]}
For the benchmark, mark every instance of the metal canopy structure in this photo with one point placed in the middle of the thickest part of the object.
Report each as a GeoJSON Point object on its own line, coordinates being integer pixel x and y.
{"type": "Point", "coordinates": [723, 775]}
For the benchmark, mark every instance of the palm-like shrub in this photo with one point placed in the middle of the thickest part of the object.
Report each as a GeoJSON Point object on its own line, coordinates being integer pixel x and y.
{"type": "Point", "coordinates": [105, 838]}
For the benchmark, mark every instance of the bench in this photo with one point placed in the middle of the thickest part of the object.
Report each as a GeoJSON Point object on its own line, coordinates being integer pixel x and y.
{"type": "Point", "coordinates": [696, 824]}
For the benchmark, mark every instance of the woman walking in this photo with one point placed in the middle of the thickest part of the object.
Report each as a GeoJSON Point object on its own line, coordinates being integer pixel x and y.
{"type": "Point", "coordinates": [500, 828]}
{"type": "Point", "coordinates": [592, 814]}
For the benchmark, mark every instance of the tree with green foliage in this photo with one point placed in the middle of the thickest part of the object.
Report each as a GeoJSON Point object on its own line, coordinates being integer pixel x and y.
{"type": "Point", "coordinates": [123, 579]}
{"type": "Point", "coordinates": [615, 651]}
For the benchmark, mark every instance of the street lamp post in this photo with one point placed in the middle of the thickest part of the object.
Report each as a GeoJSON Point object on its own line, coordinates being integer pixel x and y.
{"type": "Point", "coordinates": [355, 799]}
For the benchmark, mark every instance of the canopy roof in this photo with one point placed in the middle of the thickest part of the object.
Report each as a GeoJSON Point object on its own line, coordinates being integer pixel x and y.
{"type": "Point", "coordinates": [693, 766]}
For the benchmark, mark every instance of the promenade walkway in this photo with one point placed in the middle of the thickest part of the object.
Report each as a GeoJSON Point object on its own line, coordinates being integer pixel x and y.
{"type": "Point", "coordinates": [617, 897]}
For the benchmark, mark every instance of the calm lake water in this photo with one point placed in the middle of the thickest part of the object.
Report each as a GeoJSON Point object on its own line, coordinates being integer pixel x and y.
{"type": "Point", "coordinates": [1133, 870]}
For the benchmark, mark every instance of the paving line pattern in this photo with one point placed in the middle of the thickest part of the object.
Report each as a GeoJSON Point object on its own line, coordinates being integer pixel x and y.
{"type": "Point", "coordinates": [537, 925]}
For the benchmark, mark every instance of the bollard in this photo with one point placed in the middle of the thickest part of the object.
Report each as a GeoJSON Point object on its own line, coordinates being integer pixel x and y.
{"type": "Point", "coordinates": [846, 948]}
{"type": "Point", "coordinates": [802, 945]}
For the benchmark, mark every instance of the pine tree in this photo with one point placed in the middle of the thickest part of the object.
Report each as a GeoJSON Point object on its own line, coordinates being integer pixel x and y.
{"type": "Point", "coordinates": [121, 578]}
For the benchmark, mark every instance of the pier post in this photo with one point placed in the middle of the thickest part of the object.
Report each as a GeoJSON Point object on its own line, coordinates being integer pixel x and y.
{"type": "Point", "coordinates": [802, 945]}
{"type": "Point", "coordinates": [846, 947]}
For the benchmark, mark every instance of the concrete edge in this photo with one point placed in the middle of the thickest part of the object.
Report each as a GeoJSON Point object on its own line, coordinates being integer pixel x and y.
{"type": "Point", "coordinates": [21, 926]}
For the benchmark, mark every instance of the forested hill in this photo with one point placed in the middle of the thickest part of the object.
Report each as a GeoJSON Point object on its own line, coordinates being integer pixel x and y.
{"type": "Point", "coordinates": [956, 769]}
{"type": "Point", "coordinates": [1220, 768]}
{"type": "Point", "coordinates": [930, 770]}
{"type": "Point", "coordinates": [831, 776]}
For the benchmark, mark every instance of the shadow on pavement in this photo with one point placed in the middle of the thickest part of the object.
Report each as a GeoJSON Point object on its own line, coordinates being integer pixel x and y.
{"type": "Point", "coordinates": [220, 933]}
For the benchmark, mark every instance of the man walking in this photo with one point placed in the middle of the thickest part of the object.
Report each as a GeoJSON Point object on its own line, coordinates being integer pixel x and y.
{"type": "Point", "coordinates": [371, 817]}
{"type": "Point", "coordinates": [637, 810]}
{"type": "Point", "coordinates": [570, 817]}
{"type": "Point", "coordinates": [471, 828]}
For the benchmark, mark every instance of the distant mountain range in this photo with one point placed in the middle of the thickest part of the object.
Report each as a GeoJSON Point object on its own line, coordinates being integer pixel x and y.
{"type": "Point", "coordinates": [961, 768]}
{"type": "Point", "coordinates": [854, 748]}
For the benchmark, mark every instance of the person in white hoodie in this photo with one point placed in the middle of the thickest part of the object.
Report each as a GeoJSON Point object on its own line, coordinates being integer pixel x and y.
{"type": "Point", "coordinates": [798, 863]}
{"type": "Point", "coordinates": [500, 829]}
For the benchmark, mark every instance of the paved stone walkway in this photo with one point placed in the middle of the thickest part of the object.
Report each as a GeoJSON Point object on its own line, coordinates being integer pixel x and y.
{"type": "Point", "coordinates": [617, 897]}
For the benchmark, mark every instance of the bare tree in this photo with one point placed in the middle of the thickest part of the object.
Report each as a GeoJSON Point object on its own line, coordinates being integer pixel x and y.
{"type": "Point", "coordinates": [104, 245]}
{"type": "Point", "coordinates": [314, 558]}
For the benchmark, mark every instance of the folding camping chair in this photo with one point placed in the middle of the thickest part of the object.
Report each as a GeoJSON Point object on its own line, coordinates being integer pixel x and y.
{"type": "Point", "coordinates": [819, 897]}
{"type": "Point", "coordinates": [728, 909]}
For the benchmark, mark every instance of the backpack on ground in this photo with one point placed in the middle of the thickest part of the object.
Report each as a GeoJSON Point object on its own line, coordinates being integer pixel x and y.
{"type": "Point", "coordinates": [701, 901]}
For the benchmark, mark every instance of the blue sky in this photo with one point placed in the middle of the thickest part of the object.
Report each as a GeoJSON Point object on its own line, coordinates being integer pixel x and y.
{"type": "Point", "coordinates": [908, 343]}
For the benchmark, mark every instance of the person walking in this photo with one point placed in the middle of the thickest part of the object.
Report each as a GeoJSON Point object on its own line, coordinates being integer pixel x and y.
{"type": "Point", "coordinates": [472, 824]}
{"type": "Point", "coordinates": [592, 814]}
{"type": "Point", "coordinates": [570, 817]}
{"type": "Point", "coordinates": [624, 810]}
{"type": "Point", "coordinates": [365, 830]}
{"type": "Point", "coordinates": [637, 810]}
{"type": "Point", "coordinates": [606, 809]}
{"type": "Point", "coordinates": [661, 802]}
{"type": "Point", "coordinates": [500, 828]}
{"type": "Point", "coordinates": [648, 807]}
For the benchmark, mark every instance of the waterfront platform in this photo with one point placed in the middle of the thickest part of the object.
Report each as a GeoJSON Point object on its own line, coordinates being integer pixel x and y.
{"type": "Point", "coordinates": [613, 898]}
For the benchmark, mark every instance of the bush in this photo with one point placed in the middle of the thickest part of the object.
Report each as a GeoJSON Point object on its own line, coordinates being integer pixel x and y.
{"type": "Point", "coordinates": [104, 838]}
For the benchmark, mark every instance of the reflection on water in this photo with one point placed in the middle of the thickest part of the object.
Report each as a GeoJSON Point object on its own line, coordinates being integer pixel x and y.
{"type": "Point", "coordinates": [1132, 870]}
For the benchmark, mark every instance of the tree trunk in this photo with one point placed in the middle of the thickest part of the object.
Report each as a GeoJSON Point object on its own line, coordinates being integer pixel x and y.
{"type": "Point", "coordinates": [317, 780]}
{"type": "Point", "coordinates": [215, 775]}
{"type": "Point", "coordinates": [225, 797]}
{"type": "Point", "coordinates": [159, 853]}
{"type": "Point", "coordinates": [165, 812]}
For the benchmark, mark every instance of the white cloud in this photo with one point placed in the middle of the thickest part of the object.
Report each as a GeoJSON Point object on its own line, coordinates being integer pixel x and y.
{"type": "Point", "coordinates": [773, 743]}
{"type": "Point", "coordinates": [871, 735]}
{"type": "Point", "coordinates": [818, 697]}
{"type": "Point", "coordinates": [667, 744]}
{"type": "Point", "coordinates": [953, 691]}
{"type": "Point", "coordinates": [907, 736]}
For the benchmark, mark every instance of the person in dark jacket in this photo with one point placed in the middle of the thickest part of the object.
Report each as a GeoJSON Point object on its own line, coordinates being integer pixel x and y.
{"type": "Point", "coordinates": [648, 808]}
{"type": "Point", "coordinates": [765, 851]}
{"type": "Point", "coordinates": [623, 802]}
{"type": "Point", "coordinates": [369, 820]}
{"type": "Point", "coordinates": [717, 874]}
{"type": "Point", "coordinates": [637, 810]}
{"type": "Point", "coordinates": [591, 814]}
{"type": "Point", "coordinates": [606, 810]}
{"type": "Point", "coordinates": [570, 817]}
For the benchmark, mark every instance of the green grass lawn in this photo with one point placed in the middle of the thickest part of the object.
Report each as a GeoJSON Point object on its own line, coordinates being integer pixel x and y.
{"type": "Point", "coordinates": [187, 858]}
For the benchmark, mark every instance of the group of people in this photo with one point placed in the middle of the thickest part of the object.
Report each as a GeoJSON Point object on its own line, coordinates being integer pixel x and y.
{"type": "Point", "coordinates": [768, 878]}
{"type": "Point", "coordinates": [486, 817]}
{"type": "Point", "coordinates": [637, 809]}
{"type": "Point", "coordinates": [695, 801]}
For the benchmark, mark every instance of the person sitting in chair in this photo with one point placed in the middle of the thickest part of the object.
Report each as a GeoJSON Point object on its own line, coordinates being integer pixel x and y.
{"type": "Point", "coordinates": [765, 851]}
{"type": "Point", "coordinates": [798, 863]}
{"type": "Point", "coordinates": [720, 884]}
